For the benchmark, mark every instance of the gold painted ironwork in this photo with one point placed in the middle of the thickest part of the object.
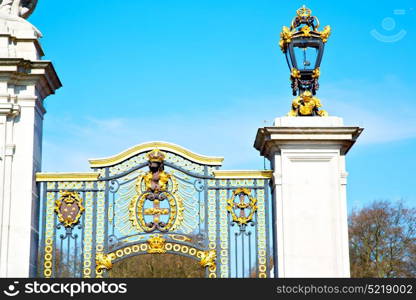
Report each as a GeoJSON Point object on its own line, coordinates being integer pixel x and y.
{"type": "Point", "coordinates": [316, 73]}
{"type": "Point", "coordinates": [304, 12]}
{"type": "Point", "coordinates": [137, 213]}
{"type": "Point", "coordinates": [224, 233]}
{"type": "Point", "coordinates": [288, 34]}
{"type": "Point", "coordinates": [156, 244]}
{"type": "Point", "coordinates": [306, 30]}
{"type": "Point", "coordinates": [242, 219]}
{"type": "Point", "coordinates": [285, 38]}
{"type": "Point", "coordinates": [208, 259]}
{"type": "Point", "coordinates": [254, 174]}
{"type": "Point", "coordinates": [100, 227]}
{"type": "Point", "coordinates": [180, 238]}
{"type": "Point", "coordinates": [103, 262]}
{"type": "Point", "coordinates": [156, 211]}
{"type": "Point", "coordinates": [295, 73]}
{"type": "Point", "coordinates": [60, 177]}
{"type": "Point", "coordinates": [163, 146]}
{"type": "Point", "coordinates": [306, 105]}
{"type": "Point", "coordinates": [156, 156]}
{"type": "Point", "coordinates": [325, 33]}
{"type": "Point", "coordinates": [49, 235]}
{"type": "Point", "coordinates": [69, 203]}
{"type": "Point", "coordinates": [163, 188]}
{"type": "Point", "coordinates": [162, 183]}
{"type": "Point", "coordinates": [262, 258]}
{"type": "Point", "coordinates": [161, 247]}
{"type": "Point", "coordinates": [88, 235]}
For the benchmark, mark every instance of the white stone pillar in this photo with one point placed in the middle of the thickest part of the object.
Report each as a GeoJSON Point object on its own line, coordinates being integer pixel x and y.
{"type": "Point", "coordinates": [307, 155]}
{"type": "Point", "coordinates": [25, 81]}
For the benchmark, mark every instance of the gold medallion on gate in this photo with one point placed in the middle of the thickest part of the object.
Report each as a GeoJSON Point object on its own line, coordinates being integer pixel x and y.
{"type": "Point", "coordinates": [155, 206]}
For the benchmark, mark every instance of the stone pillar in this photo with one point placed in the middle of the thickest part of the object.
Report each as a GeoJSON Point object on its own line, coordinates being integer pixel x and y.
{"type": "Point", "coordinates": [25, 81]}
{"type": "Point", "coordinates": [307, 155]}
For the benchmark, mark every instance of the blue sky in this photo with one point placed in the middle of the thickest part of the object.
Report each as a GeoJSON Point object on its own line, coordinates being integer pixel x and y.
{"type": "Point", "coordinates": [207, 74]}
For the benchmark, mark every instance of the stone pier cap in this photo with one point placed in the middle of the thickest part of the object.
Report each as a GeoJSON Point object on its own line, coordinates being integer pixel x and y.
{"type": "Point", "coordinates": [314, 131]}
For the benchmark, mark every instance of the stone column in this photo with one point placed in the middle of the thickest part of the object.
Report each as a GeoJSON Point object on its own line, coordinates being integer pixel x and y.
{"type": "Point", "coordinates": [307, 155]}
{"type": "Point", "coordinates": [25, 81]}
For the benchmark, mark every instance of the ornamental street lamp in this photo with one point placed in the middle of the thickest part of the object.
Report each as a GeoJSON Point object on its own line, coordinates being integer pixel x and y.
{"type": "Point", "coordinates": [303, 46]}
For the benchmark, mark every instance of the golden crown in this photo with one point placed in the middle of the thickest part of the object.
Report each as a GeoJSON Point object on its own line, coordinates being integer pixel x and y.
{"type": "Point", "coordinates": [156, 156]}
{"type": "Point", "coordinates": [156, 244]}
{"type": "Point", "coordinates": [304, 12]}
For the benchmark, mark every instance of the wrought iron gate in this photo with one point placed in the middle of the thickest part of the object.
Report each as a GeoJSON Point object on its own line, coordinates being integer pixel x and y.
{"type": "Point", "coordinates": [151, 199]}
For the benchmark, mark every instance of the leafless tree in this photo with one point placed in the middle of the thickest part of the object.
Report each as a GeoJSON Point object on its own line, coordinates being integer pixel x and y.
{"type": "Point", "coordinates": [383, 241]}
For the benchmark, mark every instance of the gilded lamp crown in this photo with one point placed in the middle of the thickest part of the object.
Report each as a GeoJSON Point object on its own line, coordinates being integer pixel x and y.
{"type": "Point", "coordinates": [156, 156]}
{"type": "Point", "coordinates": [304, 12]}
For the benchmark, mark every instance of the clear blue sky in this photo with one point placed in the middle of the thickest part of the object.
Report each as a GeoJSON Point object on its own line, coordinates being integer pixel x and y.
{"type": "Point", "coordinates": [207, 74]}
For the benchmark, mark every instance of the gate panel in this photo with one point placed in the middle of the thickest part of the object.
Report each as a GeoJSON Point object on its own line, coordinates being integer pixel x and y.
{"type": "Point", "coordinates": [156, 198]}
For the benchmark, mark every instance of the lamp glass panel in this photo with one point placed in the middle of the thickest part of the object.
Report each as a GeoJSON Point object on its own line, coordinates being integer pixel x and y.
{"type": "Point", "coordinates": [306, 57]}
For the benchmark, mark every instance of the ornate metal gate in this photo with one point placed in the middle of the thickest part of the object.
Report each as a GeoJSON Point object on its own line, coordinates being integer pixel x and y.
{"type": "Point", "coordinates": [151, 199]}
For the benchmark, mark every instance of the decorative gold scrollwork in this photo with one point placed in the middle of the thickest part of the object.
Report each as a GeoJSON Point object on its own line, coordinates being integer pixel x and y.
{"type": "Point", "coordinates": [208, 259]}
{"type": "Point", "coordinates": [156, 244]}
{"type": "Point", "coordinates": [242, 205]}
{"type": "Point", "coordinates": [316, 73]}
{"type": "Point", "coordinates": [306, 30]}
{"type": "Point", "coordinates": [295, 73]}
{"type": "Point", "coordinates": [69, 208]}
{"type": "Point", "coordinates": [285, 38]}
{"type": "Point", "coordinates": [103, 262]}
{"type": "Point", "coordinates": [325, 33]}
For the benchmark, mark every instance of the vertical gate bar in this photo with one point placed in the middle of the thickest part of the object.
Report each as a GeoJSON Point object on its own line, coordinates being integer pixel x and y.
{"type": "Point", "coordinates": [59, 263]}
{"type": "Point", "coordinates": [249, 254]}
{"type": "Point", "coordinates": [56, 194]}
{"type": "Point", "coordinates": [68, 237]}
{"type": "Point", "coordinates": [204, 199]}
{"type": "Point", "coordinates": [274, 230]}
{"type": "Point", "coordinates": [206, 234]}
{"type": "Point", "coordinates": [229, 235]}
{"type": "Point", "coordinates": [223, 231]}
{"type": "Point", "coordinates": [256, 232]}
{"type": "Point", "coordinates": [114, 213]}
{"type": "Point", "coordinates": [100, 222]}
{"type": "Point", "coordinates": [94, 229]}
{"type": "Point", "coordinates": [49, 236]}
{"type": "Point", "coordinates": [105, 219]}
{"type": "Point", "coordinates": [41, 254]}
{"type": "Point", "coordinates": [206, 203]}
{"type": "Point", "coordinates": [243, 253]}
{"type": "Point", "coordinates": [81, 271]}
{"type": "Point", "coordinates": [87, 242]}
{"type": "Point", "coordinates": [236, 255]}
{"type": "Point", "coordinates": [199, 211]}
{"type": "Point", "coordinates": [75, 255]}
{"type": "Point", "coordinates": [217, 233]}
{"type": "Point", "coordinates": [267, 210]}
{"type": "Point", "coordinates": [212, 223]}
{"type": "Point", "coordinates": [261, 231]}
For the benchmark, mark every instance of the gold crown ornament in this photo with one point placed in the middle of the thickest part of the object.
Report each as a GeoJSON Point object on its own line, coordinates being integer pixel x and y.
{"type": "Point", "coordinates": [156, 156]}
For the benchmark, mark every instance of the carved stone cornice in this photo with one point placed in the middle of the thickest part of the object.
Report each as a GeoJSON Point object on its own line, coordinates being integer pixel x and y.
{"type": "Point", "coordinates": [41, 73]}
{"type": "Point", "coordinates": [270, 138]}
